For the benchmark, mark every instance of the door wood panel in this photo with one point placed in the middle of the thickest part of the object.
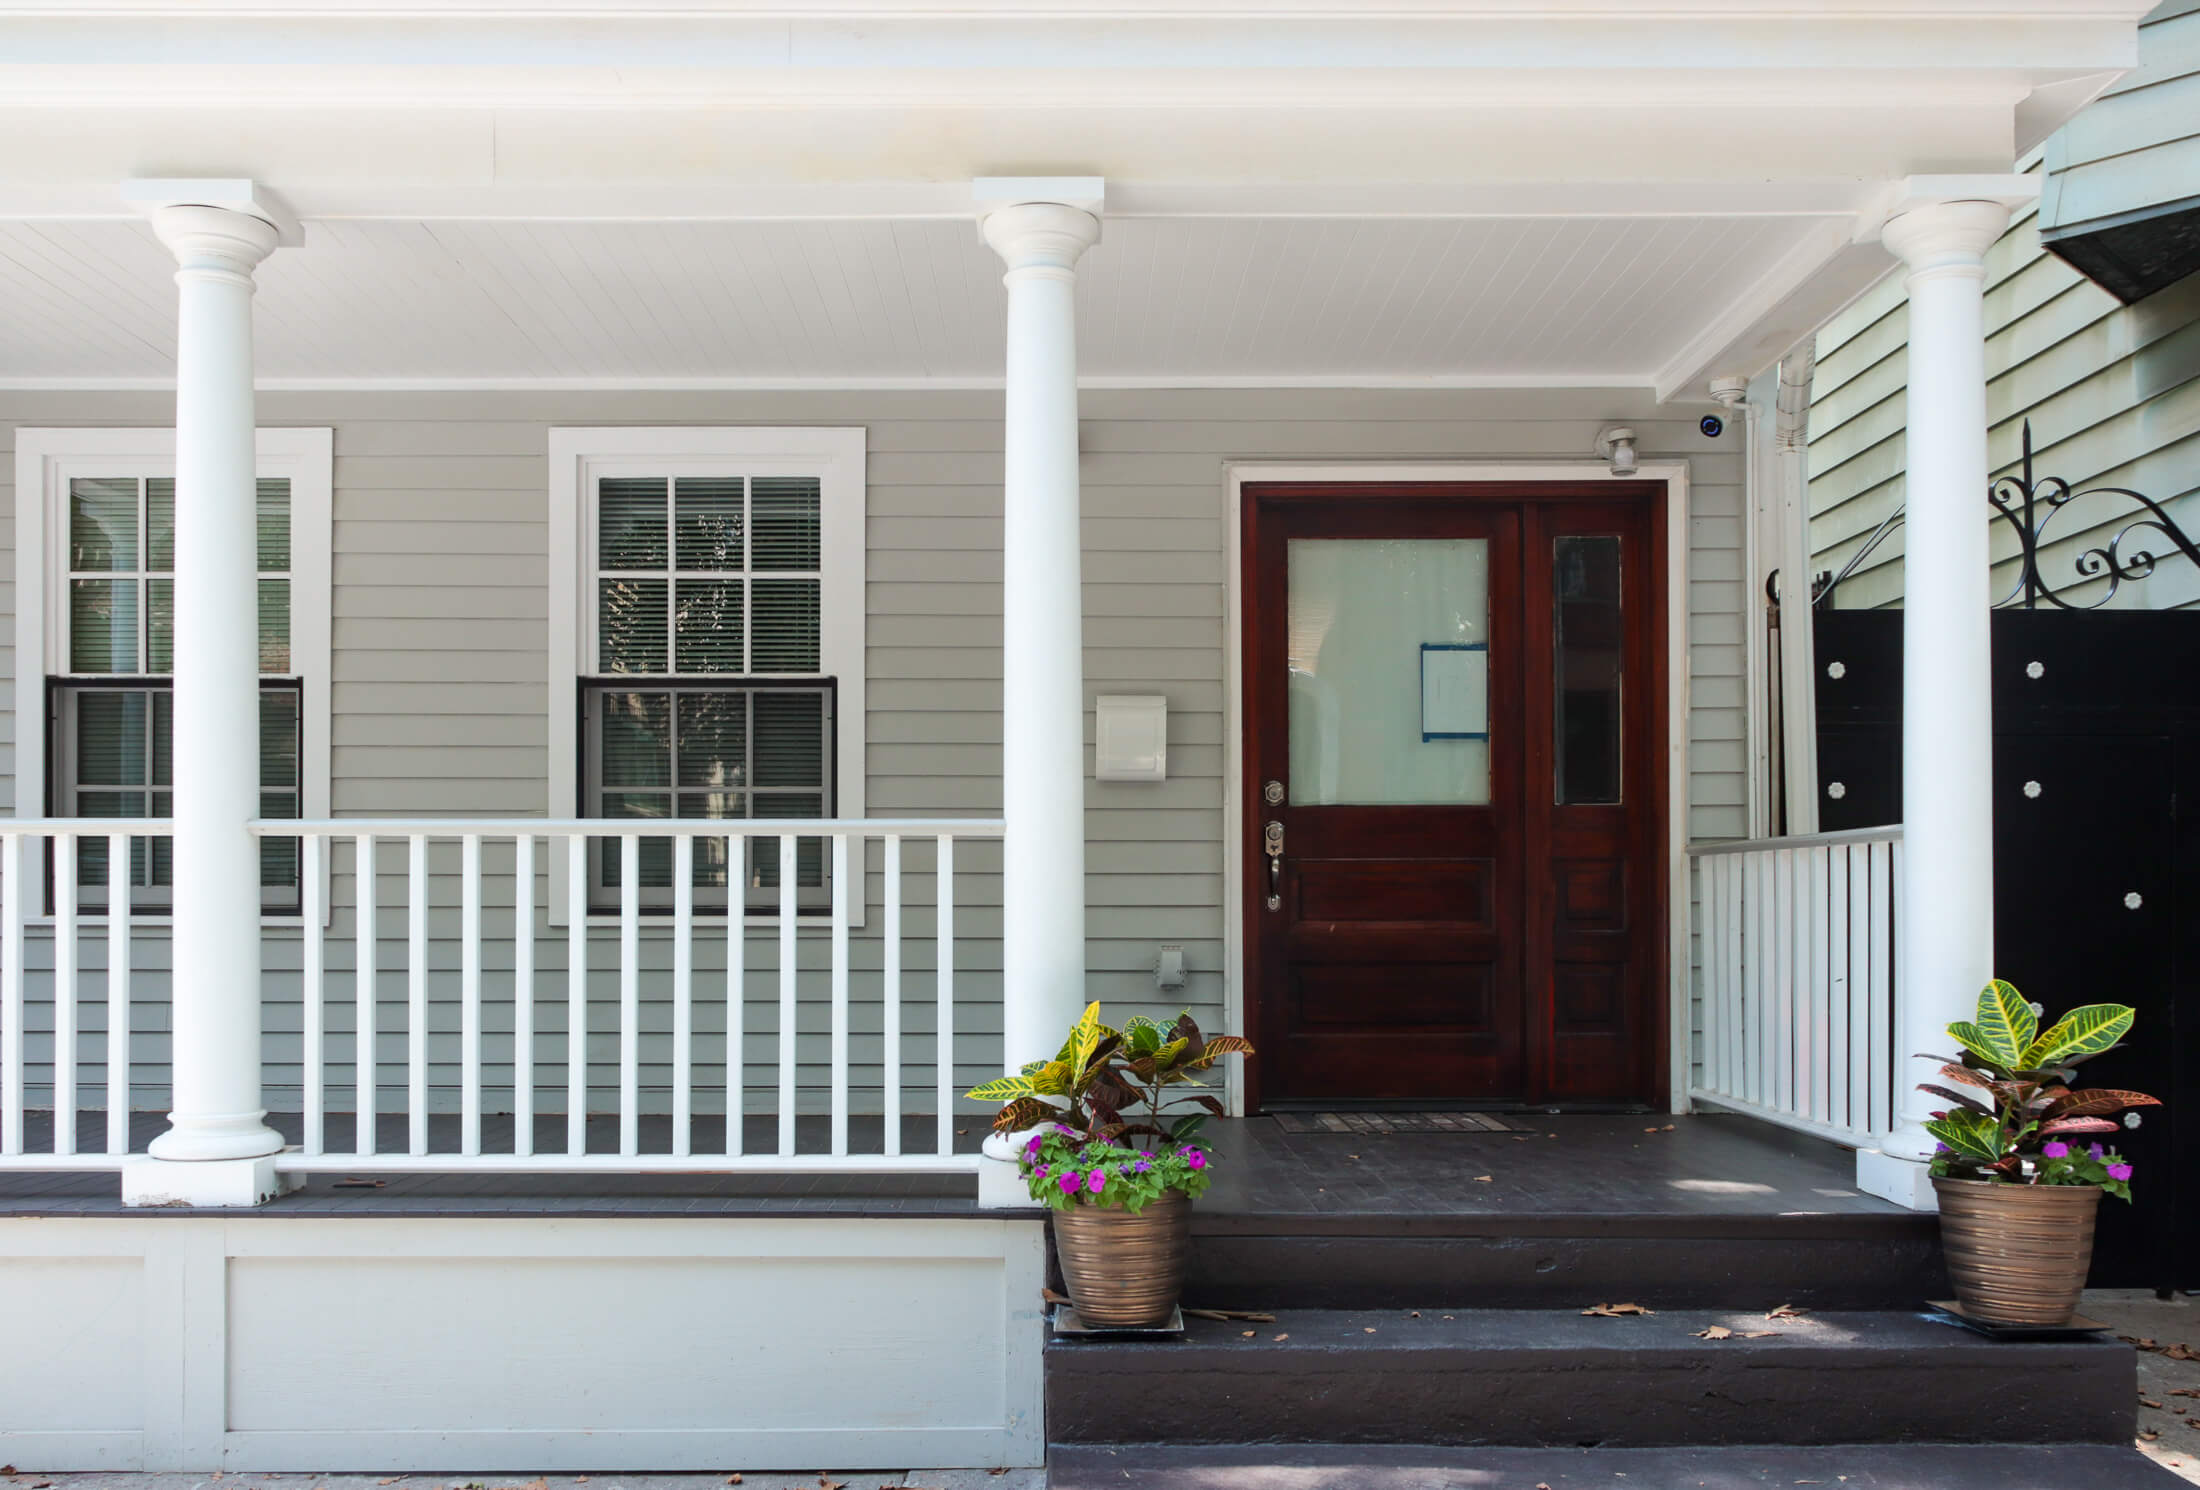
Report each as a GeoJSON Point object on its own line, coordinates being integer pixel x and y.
{"type": "Point", "coordinates": [1505, 953]}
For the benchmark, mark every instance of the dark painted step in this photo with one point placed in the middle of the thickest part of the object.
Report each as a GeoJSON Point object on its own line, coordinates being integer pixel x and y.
{"type": "Point", "coordinates": [1845, 1467]}
{"type": "Point", "coordinates": [1820, 1261]}
{"type": "Point", "coordinates": [1554, 1378]}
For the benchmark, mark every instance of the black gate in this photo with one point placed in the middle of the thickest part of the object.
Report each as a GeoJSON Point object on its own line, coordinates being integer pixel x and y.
{"type": "Point", "coordinates": [2096, 870]}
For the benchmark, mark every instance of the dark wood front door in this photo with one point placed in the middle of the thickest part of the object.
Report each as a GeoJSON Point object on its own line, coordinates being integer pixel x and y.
{"type": "Point", "coordinates": [1453, 769]}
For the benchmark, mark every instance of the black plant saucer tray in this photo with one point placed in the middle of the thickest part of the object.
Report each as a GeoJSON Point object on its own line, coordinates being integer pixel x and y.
{"type": "Point", "coordinates": [1069, 1326]}
{"type": "Point", "coordinates": [2077, 1326]}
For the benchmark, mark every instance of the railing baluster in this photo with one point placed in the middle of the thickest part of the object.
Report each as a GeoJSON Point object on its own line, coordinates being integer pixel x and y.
{"type": "Point", "coordinates": [630, 993]}
{"type": "Point", "coordinates": [1737, 1054]}
{"type": "Point", "coordinates": [364, 1062]}
{"type": "Point", "coordinates": [1815, 1029]}
{"type": "Point", "coordinates": [1861, 1027]}
{"type": "Point", "coordinates": [310, 991]}
{"type": "Point", "coordinates": [1703, 881]}
{"type": "Point", "coordinates": [118, 993]}
{"type": "Point", "coordinates": [840, 995]}
{"type": "Point", "coordinates": [523, 994]}
{"type": "Point", "coordinates": [786, 993]}
{"type": "Point", "coordinates": [683, 993]}
{"type": "Point", "coordinates": [416, 992]}
{"type": "Point", "coordinates": [63, 1069]}
{"type": "Point", "coordinates": [943, 1048]}
{"type": "Point", "coordinates": [737, 972]}
{"type": "Point", "coordinates": [890, 1067]}
{"type": "Point", "coordinates": [576, 995]}
{"type": "Point", "coordinates": [1835, 1015]}
{"type": "Point", "coordinates": [469, 993]}
{"type": "Point", "coordinates": [1886, 871]}
{"type": "Point", "coordinates": [12, 890]}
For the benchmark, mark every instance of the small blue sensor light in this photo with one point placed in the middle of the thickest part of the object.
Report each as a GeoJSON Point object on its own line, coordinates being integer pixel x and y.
{"type": "Point", "coordinates": [1712, 426]}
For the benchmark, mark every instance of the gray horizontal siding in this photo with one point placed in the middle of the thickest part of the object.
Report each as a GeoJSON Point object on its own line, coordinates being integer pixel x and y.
{"type": "Point", "coordinates": [2137, 146]}
{"type": "Point", "coordinates": [441, 673]}
{"type": "Point", "coordinates": [2112, 393]}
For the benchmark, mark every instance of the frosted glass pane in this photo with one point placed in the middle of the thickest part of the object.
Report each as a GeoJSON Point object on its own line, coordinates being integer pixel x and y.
{"type": "Point", "coordinates": [1360, 613]}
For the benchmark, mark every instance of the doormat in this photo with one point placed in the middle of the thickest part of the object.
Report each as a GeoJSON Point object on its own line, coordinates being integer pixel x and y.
{"type": "Point", "coordinates": [1397, 1122]}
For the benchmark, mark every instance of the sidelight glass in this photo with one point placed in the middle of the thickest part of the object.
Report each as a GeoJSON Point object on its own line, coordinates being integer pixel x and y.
{"type": "Point", "coordinates": [1388, 650]}
{"type": "Point", "coordinates": [1588, 641]}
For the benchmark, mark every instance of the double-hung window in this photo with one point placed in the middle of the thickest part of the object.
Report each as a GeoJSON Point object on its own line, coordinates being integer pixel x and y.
{"type": "Point", "coordinates": [100, 507]}
{"type": "Point", "coordinates": [713, 601]}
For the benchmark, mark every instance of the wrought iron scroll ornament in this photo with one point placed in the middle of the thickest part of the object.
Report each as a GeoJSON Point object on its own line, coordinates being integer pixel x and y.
{"type": "Point", "coordinates": [2029, 504]}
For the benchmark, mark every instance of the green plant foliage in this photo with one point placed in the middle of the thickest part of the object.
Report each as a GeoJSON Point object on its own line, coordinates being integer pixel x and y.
{"type": "Point", "coordinates": [1109, 1087]}
{"type": "Point", "coordinates": [2015, 1121]}
{"type": "Point", "coordinates": [1064, 1168]}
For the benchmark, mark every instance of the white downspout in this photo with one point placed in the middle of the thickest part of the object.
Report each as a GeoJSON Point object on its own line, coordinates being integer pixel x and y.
{"type": "Point", "coordinates": [1798, 656]}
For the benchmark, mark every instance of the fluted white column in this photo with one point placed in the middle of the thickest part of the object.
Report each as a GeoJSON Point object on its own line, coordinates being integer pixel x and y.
{"type": "Point", "coordinates": [1946, 927]}
{"type": "Point", "coordinates": [216, 1016]}
{"type": "Point", "coordinates": [1042, 623]}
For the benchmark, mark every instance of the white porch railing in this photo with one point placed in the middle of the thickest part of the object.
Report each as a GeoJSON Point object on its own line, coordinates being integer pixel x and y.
{"type": "Point", "coordinates": [1796, 1015]}
{"type": "Point", "coordinates": [348, 1066]}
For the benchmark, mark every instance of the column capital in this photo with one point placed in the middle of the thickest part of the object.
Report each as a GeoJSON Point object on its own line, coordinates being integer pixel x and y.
{"type": "Point", "coordinates": [1947, 236]}
{"type": "Point", "coordinates": [215, 240]}
{"type": "Point", "coordinates": [1043, 236]}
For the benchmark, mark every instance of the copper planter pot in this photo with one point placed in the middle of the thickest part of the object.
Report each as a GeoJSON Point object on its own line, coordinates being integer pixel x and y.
{"type": "Point", "coordinates": [2017, 1254]}
{"type": "Point", "coordinates": [1124, 1269]}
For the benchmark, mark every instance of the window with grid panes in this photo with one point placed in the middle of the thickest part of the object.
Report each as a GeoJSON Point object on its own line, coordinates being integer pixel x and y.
{"type": "Point", "coordinates": [708, 700]}
{"type": "Point", "coordinates": [111, 713]}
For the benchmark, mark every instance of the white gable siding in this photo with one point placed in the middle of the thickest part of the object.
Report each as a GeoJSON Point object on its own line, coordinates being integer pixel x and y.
{"type": "Point", "coordinates": [441, 661]}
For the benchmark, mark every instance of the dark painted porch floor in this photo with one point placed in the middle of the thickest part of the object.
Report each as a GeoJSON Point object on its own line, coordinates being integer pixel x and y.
{"type": "Point", "coordinates": [1569, 1171]}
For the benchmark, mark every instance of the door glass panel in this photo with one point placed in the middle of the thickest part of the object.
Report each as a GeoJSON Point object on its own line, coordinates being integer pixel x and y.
{"type": "Point", "coordinates": [1587, 637]}
{"type": "Point", "coordinates": [1388, 643]}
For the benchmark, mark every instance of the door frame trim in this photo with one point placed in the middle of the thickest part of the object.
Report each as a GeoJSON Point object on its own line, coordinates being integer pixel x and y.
{"type": "Point", "coordinates": [1674, 473]}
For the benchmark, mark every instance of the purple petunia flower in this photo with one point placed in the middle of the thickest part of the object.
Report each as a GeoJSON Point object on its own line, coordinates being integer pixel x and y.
{"type": "Point", "coordinates": [1195, 1158]}
{"type": "Point", "coordinates": [1143, 1165]}
{"type": "Point", "coordinates": [1071, 1181]}
{"type": "Point", "coordinates": [1040, 1171]}
{"type": "Point", "coordinates": [2055, 1149]}
{"type": "Point", "coordinates": [2095, 1150]}
{"type": "Point", "coordinates": [1941, 1148]}
{"type": "Point", "coordinates": [2119, 1171]}
{"type": "Point", "coordinates": [1096, 1181]}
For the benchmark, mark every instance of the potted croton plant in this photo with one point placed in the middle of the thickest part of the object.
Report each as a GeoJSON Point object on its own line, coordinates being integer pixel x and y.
{"type": "Point", "coordinates": [2022, 1162]}
{"type": "Point", "coordinates": [1102, 1146]}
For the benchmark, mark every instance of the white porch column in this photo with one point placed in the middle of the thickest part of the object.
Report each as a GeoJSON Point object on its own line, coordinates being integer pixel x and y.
{"type": "Point", "coordinates": [217, 1113]}
{"type": "Point", "coordinates": [1040, 228]}
{"type": "Point", "coordinates": [1946, 926]}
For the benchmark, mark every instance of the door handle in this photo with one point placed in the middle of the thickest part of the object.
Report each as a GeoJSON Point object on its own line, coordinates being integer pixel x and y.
{"type": "Point", "coordinates": [1271, 842]}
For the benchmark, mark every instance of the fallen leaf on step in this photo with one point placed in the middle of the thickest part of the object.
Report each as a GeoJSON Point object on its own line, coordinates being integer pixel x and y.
{"type": "Point", "coordinates": [1649, 1130]}
{"type": "Point", "coordinates": [1668, 1128]}
{"type": "Point", "coordinates": [1416, 1314]}
{"type": "Point", "coordinates": [1250, 1316]}
{"type": "Point", "coordinates": [1786, 1311]}
{"type": "Point", "coordinates": [2181, 1353]}
{"type": "Point", "coordinates": [2174, 1392]}
{"type": "Point", "coordinates": [1716, 1332]}
{"type": "Point", "coordinates": [1249, 1334]}
{"type": "Point", "coordinates": [1611, 1311]}
{"type": "Point", "coordinates": [2148, 1402]}
{"type": "Point", "coordinates": [733, 1479]}
{"type": "Point", "coordinates": [998, 1471]}
{"type": "Point", "coordinates": [1540, 1485]}
{"type": "Point", "coordinates": [1367, 1329]}
{"type": "Point", "coordinates": [1484, 1179]}
{"type": "Point", "coordinates": [2150, 1435]}
{"type": "Point", "coordinates": [1285, 1336]}
{"type": "Point", "coordinates": [826, 1482]}
{"type": "Point", "coordinates": [1758, 1334]}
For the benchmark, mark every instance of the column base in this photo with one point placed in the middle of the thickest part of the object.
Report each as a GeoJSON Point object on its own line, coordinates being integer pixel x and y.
{"type": "Point", "coordinates": [147, 1181]}
{"type": "Point", "coordinates": [1001, 1185]}
{"type": "Point", "coordinates": [1906, 1182]}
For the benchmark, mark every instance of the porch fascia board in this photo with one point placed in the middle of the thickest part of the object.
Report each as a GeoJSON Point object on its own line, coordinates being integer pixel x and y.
{"type": "Point", "coordinates": [1675, 475]}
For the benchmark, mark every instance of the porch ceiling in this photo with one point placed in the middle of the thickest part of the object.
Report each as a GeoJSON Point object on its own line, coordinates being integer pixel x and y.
{"type": "Point", "coordinates": [1621, 299]}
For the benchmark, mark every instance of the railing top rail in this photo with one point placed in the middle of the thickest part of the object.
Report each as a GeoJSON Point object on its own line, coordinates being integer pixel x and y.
{"type": "Point", "coordinates": [84, 827]}
{"type": "Point", "coordinates": [1889, 833]}
{"type": "Point", "coordinates": [597, 827]}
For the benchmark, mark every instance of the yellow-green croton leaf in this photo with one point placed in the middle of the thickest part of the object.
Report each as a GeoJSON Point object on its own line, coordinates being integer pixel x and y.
{"type": "Point", "coordinates": [1976, 1040]}
{"type": "Point", "coordinates": [1005, 1089]}
{"type": "Point", "coordinates": [2080, 1033]}
{"type": "Point", "coordinates": [2006, 1022]}
{"type": "Point", "coordinates": [1974, 1135]}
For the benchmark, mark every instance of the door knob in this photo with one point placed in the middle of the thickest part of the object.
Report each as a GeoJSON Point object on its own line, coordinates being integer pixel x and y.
{"type": "Point", "coordinates": [1271, 842]}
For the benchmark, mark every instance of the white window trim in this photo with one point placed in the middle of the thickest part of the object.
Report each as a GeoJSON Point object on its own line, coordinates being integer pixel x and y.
{"type": "Point", "coordinates": [834, 456]}
{"type": "Point", "coordinates": [45, 460]}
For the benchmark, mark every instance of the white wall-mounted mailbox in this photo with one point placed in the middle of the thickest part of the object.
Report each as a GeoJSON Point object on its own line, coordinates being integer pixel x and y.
{"type": "Point", "coordinates": [1130, 737]}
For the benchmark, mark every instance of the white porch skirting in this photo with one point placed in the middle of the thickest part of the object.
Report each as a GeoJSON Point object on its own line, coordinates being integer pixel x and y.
{"type": "Point", "coordinates": [539, 1344]}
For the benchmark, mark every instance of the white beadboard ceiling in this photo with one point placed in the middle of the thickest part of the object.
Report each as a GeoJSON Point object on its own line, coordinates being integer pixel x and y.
{"type": "Point", "coordinates": [1207, 299]}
